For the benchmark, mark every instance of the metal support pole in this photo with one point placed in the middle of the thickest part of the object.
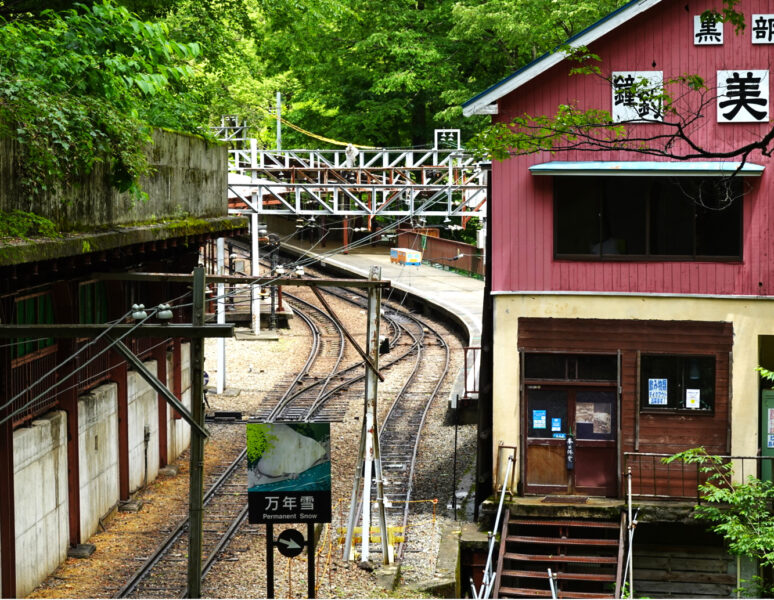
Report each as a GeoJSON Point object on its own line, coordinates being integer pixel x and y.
{"type": "Point", "coordinates": [279, 121]}
{"type": "Point", "coordinates": [196, 487]}
{"type": "Point", "coordinates": [273, 320]}
{"type": "Point", "coordinates": [310, 560]}
{"type": "Point", "coordinates": [255, 272]}
{"type": "Point", "coordinates": [269, 560]}
{"type": "Point", "coordinates": [631, 531]}
{"type": "Point", "coordinates": [352, 518]}
{"type": "Point", "coordinates": [221, 306]}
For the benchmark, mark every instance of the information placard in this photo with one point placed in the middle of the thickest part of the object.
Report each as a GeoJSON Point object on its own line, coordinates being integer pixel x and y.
{"type": "Point", "coordinates": [289, 472]}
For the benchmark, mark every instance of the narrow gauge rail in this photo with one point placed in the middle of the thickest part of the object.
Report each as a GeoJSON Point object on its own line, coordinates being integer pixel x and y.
{"type": "Point", "coordinates": [163, 574]}
{"type": "Point", "coordinates": [401, 429]}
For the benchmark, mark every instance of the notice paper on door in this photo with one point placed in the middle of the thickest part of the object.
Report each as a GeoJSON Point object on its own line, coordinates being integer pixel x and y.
{"type": "Point", "coordinates": [538, 419]}
{"type": "Point", "coordinates": [692, 398]}
{"type": "Point", "coordinates": [602, 418]}
{"type": "Point", "coordinates": [556, 424]}
{"type": "Point", "coordinates": [584, 412]}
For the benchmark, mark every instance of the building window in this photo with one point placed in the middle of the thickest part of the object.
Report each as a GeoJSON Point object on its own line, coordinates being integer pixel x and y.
{"type": "Point", "coordinates": [32, 310]}
{"type": "Point", "coordinates": [648, 218]}
{"type": "Point", "coordinates": [92, 302]}
{"type": "Point", "coordinates": [671, 382]}
{"type": "Point", "coordinates": [570, 367]}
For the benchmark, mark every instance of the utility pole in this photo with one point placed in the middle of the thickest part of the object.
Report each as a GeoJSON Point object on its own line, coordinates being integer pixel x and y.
{"type": "Point", "coordinates": [196, 481]}
{"type": "Point", "coordinates": [369, 456]}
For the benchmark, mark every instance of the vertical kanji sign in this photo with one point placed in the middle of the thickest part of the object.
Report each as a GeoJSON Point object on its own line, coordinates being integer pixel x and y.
{"type": "Point", "coordinates": [743, 96]}
{"type": "Point", "coordinates": [289, 472]}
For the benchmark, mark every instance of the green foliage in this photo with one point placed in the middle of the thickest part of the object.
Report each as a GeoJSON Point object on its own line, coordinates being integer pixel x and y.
{"type": "Point", "coordinates": [85, 86]}
{"type": "Point", "coordinates": [259, 440]}
{"type": "Point", "coordinates": [740, 511]}
{"type": "Point", "coordinates": [20, 224]}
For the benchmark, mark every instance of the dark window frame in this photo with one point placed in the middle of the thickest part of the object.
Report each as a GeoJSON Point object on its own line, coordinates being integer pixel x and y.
{"type": "Point", "coordinates": [676, 394]}
{"type": "Point", "coordinates": [570, 362]}
{"type": "Point", "coordinates": [648, 256]}
{"type": "Point", "coordinates": [32, 309]}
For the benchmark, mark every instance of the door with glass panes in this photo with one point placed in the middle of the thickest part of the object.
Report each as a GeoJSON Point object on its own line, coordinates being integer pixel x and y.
{"type": "Point", "coordinates": [556, 411]}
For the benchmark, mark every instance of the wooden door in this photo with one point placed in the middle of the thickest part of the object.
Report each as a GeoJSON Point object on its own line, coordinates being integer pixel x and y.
{"type": "Point", "coordinates": [555, 413]}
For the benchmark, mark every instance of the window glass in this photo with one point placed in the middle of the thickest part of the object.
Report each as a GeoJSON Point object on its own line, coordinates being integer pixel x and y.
{"type": "Point", "coordinates": [30, 311]}
{"type": "Point", "coordinates": [677, 382]}
{"type": "Point", "coordinates": [545, 366]}
{"type": "Point", "coordinates": [577, 220]}
{"type": "Point", "coordinates": [623, 223]}
{"type": "Point", "coordinates": [565, 367]}
{"type": "Point", "coordinates": [646, 217]}
{"type": "Point", "coordinates": [547, 413]}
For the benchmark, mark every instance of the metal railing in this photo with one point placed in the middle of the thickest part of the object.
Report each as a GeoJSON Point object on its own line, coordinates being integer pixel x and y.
{"type": "Point", "coordinates": [490, 575]}
{"type": "Point", "coordinates": [654, 478]}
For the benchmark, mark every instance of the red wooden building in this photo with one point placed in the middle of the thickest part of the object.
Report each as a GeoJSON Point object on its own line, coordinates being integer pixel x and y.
{"type": "Point", "coordinates": [632, 294]}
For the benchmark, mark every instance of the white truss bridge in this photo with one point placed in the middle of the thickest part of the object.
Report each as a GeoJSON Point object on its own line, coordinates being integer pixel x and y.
{"type": "Point", "coordinates": [437, 182]}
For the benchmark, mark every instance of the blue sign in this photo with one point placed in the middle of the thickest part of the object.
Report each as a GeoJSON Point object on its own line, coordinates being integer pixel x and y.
{"type": "Point", "coordinates": [556, 424]}
{"type": "Point", "coordinates": [560, 436]}
{"type": "Point", "coordinates": [538, 419]}
{"type": "Point", "coordinates": [657, 391]}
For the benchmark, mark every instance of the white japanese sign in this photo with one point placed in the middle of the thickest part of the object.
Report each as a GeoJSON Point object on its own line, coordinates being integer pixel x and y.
{"type": "Point", "coordinates": [692, 398]}
{"type": "Point", "coordinates": [762, 29]}
{"type": "Point", "coordinates": [637, 96]}
{"type": "Point", "coordinates": [707, 31]}
{"type": "Point", "coordinates": [743, 96]}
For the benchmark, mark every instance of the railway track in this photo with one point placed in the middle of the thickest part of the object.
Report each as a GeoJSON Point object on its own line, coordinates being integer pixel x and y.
{"type": "Point", "coordinates": [163, 574]}
{"type": "Point", "coordinates": [321, 391]}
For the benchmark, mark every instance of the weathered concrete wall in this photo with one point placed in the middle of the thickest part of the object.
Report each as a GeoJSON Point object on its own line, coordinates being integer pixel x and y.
{"type": "Point", "coordinates": [40, 499]}
{"type": "Point", "coordinates": [98, 455]}
{"type": "Point", "coordinates": [143, 412]}
{"type": "Point", "coordinates": [190, 178]}
{"type": "Point", "coordinates": [178, 431]}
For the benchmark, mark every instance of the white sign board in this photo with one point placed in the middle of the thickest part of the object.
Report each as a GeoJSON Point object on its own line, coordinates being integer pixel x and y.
{"type": "Point", "coordinates": [743, 96]}
{"type": "Point", "coordinates": [707, 32]}
{"type": "Point", "coordinates": [692, 398]}
{"type": "Point", "coordinates": [762, 29]}
{"type": "Point", "coordinates": [637, 96]}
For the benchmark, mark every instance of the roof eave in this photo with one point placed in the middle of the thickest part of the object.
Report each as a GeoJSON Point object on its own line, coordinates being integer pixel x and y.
{"type": "Point", "coordinates": [545, 62]}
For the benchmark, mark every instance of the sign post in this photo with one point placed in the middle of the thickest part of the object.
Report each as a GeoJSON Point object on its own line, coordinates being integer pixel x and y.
{"type": "Point", "coordinates": [289, 481]}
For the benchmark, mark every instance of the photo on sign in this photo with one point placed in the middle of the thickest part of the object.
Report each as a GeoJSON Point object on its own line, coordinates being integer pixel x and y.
{"type": "Point", "coordinates": [288, 456]}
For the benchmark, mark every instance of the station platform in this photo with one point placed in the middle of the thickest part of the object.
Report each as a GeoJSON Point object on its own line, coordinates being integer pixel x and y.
{"type": "Point", "coordinates": [460, 296]}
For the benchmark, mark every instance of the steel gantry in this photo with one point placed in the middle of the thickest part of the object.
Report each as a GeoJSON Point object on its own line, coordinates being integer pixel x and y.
{"type": "Point", "coordinates": [440, 181]}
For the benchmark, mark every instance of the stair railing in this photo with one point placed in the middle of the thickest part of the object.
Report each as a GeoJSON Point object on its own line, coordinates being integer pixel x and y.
{"type": "Point", "coordinates": [489, 573]}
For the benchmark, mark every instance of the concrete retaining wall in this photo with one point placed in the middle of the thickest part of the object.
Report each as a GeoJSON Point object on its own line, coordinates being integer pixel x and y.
{"type": "Point", "coordinates": [143, 412]}
{"type": "Point", "coordinates": [98, 455]}
{"type": "Point", "coordinates": [178, 431]}
{"type": "Point", "coordinates": [189, 177]}
{"type": "Point", "coordinates": [40, 497]}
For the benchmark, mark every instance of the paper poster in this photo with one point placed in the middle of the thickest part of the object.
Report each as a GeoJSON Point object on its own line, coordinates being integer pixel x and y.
{"type": "Point", "coordinates": [602, 419]}
{"type": "Point", "coordinates": [771, 420]}
{"type": "Point", "coordinates": [657, 392]}
{"type": "Point", "coordinates": [584, 412]}
{"type": "Point", "coordinates": [770, 443]}
{"type": "Point", "coordinates": [692, 398]}
{"type": "Point", "coordinates": [538, 419]}
{"type": "Point", "coordinates": [556, 424]}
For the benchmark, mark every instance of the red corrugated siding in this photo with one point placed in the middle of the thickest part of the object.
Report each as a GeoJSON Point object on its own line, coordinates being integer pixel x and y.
{"type": "Point", "coordinates": [522, 221]}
